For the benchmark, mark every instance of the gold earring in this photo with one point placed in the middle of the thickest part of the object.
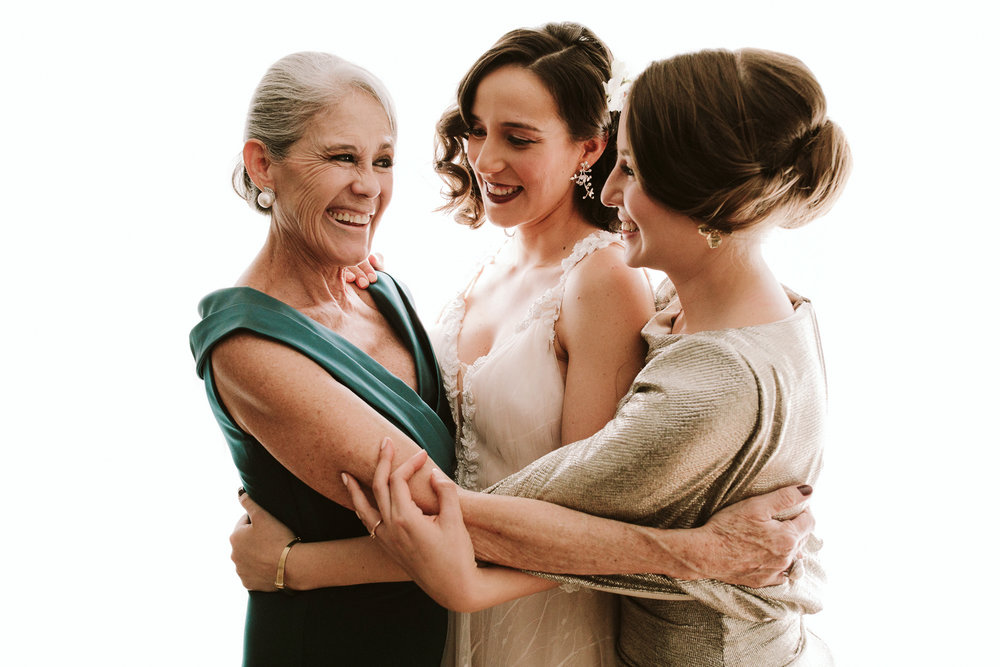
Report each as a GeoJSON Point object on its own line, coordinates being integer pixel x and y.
{"type": "Point", "coordinates": [713, 236]}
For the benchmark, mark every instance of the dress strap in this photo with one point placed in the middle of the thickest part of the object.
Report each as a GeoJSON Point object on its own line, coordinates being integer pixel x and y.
{"type": "Point", "coordinates": [548, 306]}
{"type": "Point", "coordinates": [422, 414]}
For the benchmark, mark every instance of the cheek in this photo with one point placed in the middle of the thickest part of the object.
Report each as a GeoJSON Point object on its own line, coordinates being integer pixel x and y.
{"type": "Point", "coordinates": [472, 153]}
{"type": "Point", "coordinates": [385, 194]}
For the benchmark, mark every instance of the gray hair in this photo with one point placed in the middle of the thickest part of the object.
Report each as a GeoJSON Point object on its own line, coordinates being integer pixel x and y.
{"type": "Point", "coordinates": [292, 92]}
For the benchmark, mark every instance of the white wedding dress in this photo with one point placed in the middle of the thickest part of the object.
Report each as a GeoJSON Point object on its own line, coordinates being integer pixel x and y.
{"type": "Point", "coordinates": [509, 414]}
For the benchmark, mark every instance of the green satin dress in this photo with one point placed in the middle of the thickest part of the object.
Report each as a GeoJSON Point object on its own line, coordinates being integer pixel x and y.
{"type": "Point", "coordinates": [372, 624]}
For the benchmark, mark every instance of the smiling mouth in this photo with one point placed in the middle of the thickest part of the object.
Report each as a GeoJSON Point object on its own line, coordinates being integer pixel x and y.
{"type": "Point", "coordinates": [350, 219]}
{"type": "Point", "coordinates": [627, 226]}
{"type": "Point", "coordinates": [499, 194]}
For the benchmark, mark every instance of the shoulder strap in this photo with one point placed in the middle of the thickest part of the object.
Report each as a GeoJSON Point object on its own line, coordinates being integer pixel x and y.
{"type": "Point", "coordinates": [242, 308]}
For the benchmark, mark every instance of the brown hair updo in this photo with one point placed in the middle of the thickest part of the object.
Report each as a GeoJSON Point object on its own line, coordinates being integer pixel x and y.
{"type": "Point", "coordinates": [730, 138]}
{"type": "Point", "coordinates": [573, 64]}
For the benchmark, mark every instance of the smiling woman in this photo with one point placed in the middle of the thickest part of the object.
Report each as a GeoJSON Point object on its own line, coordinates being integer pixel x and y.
{"type": "Point", "coordinates": [336, 180]}
{"type": "Point", "coordinates": [300, 367]}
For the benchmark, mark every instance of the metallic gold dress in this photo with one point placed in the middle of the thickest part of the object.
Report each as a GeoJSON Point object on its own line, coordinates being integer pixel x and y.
{"type": "Point", "coordinates": [714, 417]}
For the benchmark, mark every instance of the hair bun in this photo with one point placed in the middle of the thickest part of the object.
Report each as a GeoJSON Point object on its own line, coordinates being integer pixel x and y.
{"type": "Point", "coordinates": [820, 168]}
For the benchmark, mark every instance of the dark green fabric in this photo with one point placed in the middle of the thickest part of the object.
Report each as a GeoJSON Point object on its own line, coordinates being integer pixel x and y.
{"type": "Point", "coordinates": [376, 624]}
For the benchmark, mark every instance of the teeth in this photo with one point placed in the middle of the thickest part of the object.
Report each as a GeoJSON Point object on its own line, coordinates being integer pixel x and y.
{"type": "Point", "coordinates": [628, 226]}
{"type": "Point", "coordinates": [341, 216]}
{"type": "Point", "coordinates": [500, 190]}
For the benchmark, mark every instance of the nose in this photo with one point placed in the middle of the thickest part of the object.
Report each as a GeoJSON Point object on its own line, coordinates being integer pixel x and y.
{"type": "Point", "coordinates": [611, 192]}
{"type": "Point", "coordinates": [366, 183]}
{"type": "Point", "coordinates": [487, 157]}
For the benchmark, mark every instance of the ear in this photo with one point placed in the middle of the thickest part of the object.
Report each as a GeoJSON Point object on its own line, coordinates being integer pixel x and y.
{"type": "Point", "coordinates": [258, 163]}
{"type": "Point", "coordinates": [593, 149]}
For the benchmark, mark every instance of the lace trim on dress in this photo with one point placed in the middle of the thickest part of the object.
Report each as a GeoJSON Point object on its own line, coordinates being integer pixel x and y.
{"type": "Point", "coordinates": [450, 325]}
{"type": "Point", "coordinates": [545, 309]}
{"type": "Point", "coordinates": [549, 305]}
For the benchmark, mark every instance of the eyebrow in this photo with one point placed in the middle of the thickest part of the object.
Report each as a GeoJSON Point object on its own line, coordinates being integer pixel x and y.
{"type": "Point", "coordinates": [351, 148]}
{"type": "Point", "coordinates": [518, 126]}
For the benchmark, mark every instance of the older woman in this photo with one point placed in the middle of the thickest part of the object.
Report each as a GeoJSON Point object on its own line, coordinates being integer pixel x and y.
{"type": "Point", "coordinates": [714, 147]}
{"type": "Point", "coordinates": [306, 374]}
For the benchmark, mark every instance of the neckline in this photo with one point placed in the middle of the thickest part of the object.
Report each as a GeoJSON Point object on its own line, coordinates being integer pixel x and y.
{"type": "Point", "coordinates": [582, 248]}
{"type": "Point", "coordinates": [382, 297]}
{"type": "Point", "coordinates": [653, 330]}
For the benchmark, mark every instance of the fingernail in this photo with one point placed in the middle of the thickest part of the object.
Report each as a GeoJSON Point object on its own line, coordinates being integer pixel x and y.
{"type": "Point", "coordinates": [240, 492]}
{"type": "Point", "coordinates": [372, 277]}
{"type": "Point", "coordinates": [343, 478]}
{"type": "Point", "coordinates": [382, 445]}
{"type": "Point", "coordinates": [805, 490]}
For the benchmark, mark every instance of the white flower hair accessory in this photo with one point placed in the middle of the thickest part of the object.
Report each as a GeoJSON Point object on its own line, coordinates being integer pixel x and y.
{"type": "Point", "coordinates": [616, 88]}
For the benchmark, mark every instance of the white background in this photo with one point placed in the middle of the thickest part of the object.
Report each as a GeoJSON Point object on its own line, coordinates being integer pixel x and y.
{"type": "Point", "coordinates": [120, 126]}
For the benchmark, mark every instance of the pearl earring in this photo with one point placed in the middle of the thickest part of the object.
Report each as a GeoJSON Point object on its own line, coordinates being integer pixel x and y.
{"type": "Point", "coordinates": [266, 198]}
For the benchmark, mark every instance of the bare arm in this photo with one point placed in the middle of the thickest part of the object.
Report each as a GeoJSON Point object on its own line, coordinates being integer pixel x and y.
{"type": "Point", "coordinates": [435, 550]}
{"type": "Point", "coordinates": [743, 544]}
{"type": "Point", "coordinates": [259, 538]}
{"type": "Point", "coordinates": [313, 425]}
{"type": "Point", "coordinates": [598, 337]}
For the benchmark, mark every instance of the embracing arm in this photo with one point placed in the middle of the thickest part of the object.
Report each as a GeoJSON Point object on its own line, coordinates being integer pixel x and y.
{"type": "Point", "coordinates": [684, 445]}
{"type": "Point", "coordinates": [259, 538]}
{"type": "Point", "coordinates": [314, 426]}
{"type": "Point", "coordinates": [742, 544]}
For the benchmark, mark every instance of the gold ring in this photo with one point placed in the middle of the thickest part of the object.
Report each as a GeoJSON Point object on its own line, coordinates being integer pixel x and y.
{"type": "Point", "coordinates": [374, 528]}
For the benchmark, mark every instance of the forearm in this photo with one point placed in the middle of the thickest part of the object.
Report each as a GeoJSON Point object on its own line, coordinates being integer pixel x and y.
{"type": "Point", "coordinates": [535, 535]}
{"type": "Point", "coordinates": [312, 565]}
{"type": "Point", "coordinates": [498, 585]}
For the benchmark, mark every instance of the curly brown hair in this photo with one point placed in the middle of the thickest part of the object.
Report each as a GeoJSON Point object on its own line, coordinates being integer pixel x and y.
{"type": "Point", "coordinates": [573, 64]}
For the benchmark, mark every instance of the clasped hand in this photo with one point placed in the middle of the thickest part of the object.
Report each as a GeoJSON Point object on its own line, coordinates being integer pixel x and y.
{"type": "Point", "coordinates": [436, 551]}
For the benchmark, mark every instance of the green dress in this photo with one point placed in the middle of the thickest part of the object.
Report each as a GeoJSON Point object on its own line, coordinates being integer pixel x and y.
{"type": "Point", "coordinates": [371, 624]}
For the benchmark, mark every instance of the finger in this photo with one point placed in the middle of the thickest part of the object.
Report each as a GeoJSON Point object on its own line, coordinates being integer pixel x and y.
{"type": "Point", "coordinates": [365, 268]}
{"type": "Point", "coordinates": [447, 492]}
{"type": "Point", "coordinates": [242, 523]}
{"type": "Point", "coordinates": [804, 524]}
{"type": "Point", "coordinates": [349, 276]}
{"type": "Point", "coordinates": [251, 507]}
{"type": "Point", "coordinates": [361, 281]}
{"type": "Point", "coordinates": [399, 483]}
{"type": "Point", "coordinates": [376, 261]}
{"type": "Point", "coordinates": [785, 500]}
{"type": "Point", "coordinates": [380, 481]}
{"type": "Point", "coordinates": [369, 515]}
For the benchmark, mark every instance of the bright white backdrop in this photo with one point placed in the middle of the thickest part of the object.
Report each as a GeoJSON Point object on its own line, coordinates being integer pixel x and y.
{"type": "Point", "coordinates": [120, 126]}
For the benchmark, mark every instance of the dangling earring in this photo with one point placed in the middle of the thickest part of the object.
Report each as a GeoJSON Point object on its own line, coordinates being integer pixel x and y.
{"type": "Point", "coordinates": [266, 198]}
{"type": "Point", "coordinates": [582, 177]}
{"type": "Point", "coordinates": [713, 236]}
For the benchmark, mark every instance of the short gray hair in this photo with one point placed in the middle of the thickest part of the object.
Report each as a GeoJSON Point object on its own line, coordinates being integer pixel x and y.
{"type": "Point", "coordinates": [292, 92]}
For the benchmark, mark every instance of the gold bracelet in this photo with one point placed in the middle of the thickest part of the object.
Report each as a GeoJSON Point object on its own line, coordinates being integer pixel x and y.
{"type": "Point", "coordinates": [279, 578]}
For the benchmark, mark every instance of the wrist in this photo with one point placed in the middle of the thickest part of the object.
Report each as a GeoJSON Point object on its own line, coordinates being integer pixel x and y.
{"type": "Point", "coordinates": [681, 553]}
{"type": "Point", "coordinates": [279, 577]}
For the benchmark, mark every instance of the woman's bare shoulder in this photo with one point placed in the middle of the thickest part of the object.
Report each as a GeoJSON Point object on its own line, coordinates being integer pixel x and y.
{"type": "Point", "coordinates": [603, 282]}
